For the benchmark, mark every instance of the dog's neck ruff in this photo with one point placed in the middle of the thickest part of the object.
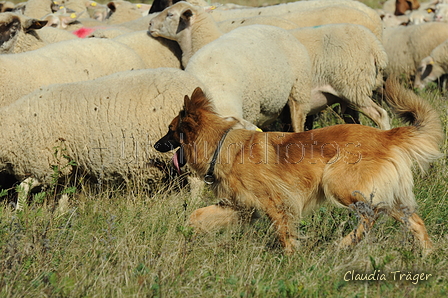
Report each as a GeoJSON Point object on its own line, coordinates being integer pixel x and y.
{"type": "Point", "coordinates": [209, 177]}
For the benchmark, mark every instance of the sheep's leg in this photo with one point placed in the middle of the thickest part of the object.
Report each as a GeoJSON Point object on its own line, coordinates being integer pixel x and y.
{"type": "Point", "coordinates": [298, 115]}
{"type": "Point", "coordinates": [377, 114]}
{"type": "Point", "coordinates": [23, 191]}
{"type": "Point", "coordinates": [417, 227]}
{"type": "Point", "coordinates": [349, 115]}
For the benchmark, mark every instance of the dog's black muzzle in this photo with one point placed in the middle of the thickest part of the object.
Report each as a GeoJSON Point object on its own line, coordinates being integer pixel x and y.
{"type": "Point", "coordinates": [166, 143]}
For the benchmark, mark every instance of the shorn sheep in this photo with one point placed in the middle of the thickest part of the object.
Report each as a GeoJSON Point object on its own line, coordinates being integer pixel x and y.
{"type": "Point", "coordinates": [22, 34]}
{"type": "Point", "coordinates": [406, 46]}
{"type": "Point", "coordinates": [347, 65]}
{"type": "Point", "coordinates": [74, 60]}
{"type": "Point", "coordinates": [433, 67]}
{"type": "Point", "coordinates": [107, 126]}
{"type": "Point", "coordinates": [250, 72]}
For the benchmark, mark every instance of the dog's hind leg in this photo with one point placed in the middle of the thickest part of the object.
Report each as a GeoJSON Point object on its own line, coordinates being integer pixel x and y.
{"type": "Point", "coordinates": [357, 234]}
{"type": "Point", "coordinates": [417, 227]}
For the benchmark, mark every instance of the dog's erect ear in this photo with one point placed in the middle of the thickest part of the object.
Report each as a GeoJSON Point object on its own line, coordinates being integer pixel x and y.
{"type": "Point", "coordinates": [186, 103]}
{"type": "Point", "coordinates": [200, 101]}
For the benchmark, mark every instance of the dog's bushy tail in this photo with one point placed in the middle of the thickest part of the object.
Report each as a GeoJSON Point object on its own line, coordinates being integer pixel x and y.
{"type": "Point", "coordinates": [427, 135]}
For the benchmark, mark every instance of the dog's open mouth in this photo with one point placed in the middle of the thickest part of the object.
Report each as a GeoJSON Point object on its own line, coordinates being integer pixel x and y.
{"type": "Point", "coordinates": [179, 160]}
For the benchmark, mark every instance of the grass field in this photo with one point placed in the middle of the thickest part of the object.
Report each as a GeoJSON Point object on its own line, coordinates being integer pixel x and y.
{"type": "Point", "coordinates": [124, 242]}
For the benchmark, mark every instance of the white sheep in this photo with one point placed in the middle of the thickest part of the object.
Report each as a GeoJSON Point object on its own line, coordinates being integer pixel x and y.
{"type": "Point", "coordinates": [63, 62]}
{"type": "Point", "coordinates": [230, 24]}
{"type": "Point", "coordinates": [107, 126]}
{"type": "Point", "coordinates": [420, 16]}
{"type": "Point", "coordinates": [155, 52]}
{"type": "Point", "coordinates": [441, 13]}
{"type": "Point", "coordinates": [433, 67]}
{"type": "Point", "coordinates": [122, 11]}
{"type": "Point", "coordinates": [198, 29]}
{"type": "Point", "coordinates": [253, 72]}
{"type": "Point", "coordinates": [406, 46]}
{"type": "Point", "coordinates": [179, 21]}
{"type": "Point", "coordinates": [6, 6]}
{"type": "Point", "coordinates": [280, 9]}
{"type": "Point", "coordinates": [249, 72]}
{"type": "Point", "coordinates": [391, 20]}
{"type": "Point", "coordinates": [23, 34]}
{"type": "Point", "coordinates": [347, 65]}
{"type": "Point", "coordinates": [331, 14]}
{"type": "Point", "coordinates": [38, 8]}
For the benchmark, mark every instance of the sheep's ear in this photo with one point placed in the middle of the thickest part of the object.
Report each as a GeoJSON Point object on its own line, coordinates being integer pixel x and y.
{"type": "Point", "coordinates": [112, 6]}
{"type": "Point", "coordinates": [34, 24]}
{"type": "Point", "coordinates": [427, 65]}
{"type": "Point", "coordinates": [184, 20]}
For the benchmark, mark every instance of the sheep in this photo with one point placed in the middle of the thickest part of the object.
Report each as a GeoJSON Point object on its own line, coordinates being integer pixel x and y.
{"type": "Point", "coordinates": [199, 30]}
{"type": "Point", "coordinates": [106, 126]}
{"type": "Point", "coordinates": [417, 17]}
{"type": "Point", "coordinates": [389, 6]}
{"type": "Point", "coordinates": [192, 19]}
{"type": "Point", "coordinates": [165, 24]}
{"type": "Point", "coordinates": [432, 67]}
{"type": "Point", "coordinates": [280, 9]}
{"type": "Point", "coordinates": [391, 20]}
{"type": "Point", "coordinates": [38, 8]}
{"type": "Point", "coordinates": [74, 60]}
{"type": "Point", "coordinates": [97, 11]}
{"type": "Point", "coordinates": [331, 14]}
{"type": "Point", "coordinates": [23, 34]}
{"type": "Point", "coordinates": [122, 11]}
{"type": "Point", "coordinates": [258, 98]}
{"type": "Point", "coordinates": [347, 65]}
{"type": "Point", "coordinates": [155, 52]}
{"type": "Point", "coordinates": [253, 72]}
{"type": "Point", "coordinates": [406, 46]}
{"type": "Point", "coordinates": [105, 32]}
{"type": "Point", "coordinates": [6, 6]}
{"type": "Point", "coordinates": [441, 13]}
{"type": "Point", "coordinates": [230, 24]}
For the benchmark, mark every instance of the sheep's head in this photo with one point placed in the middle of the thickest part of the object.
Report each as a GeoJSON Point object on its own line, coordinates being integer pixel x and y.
{"type": "Point", "coordinates": [428, 71]}
{"type": "Point", "coordinates": [11, 25]}
{"type": "Point", "coordinates": [172, 21]}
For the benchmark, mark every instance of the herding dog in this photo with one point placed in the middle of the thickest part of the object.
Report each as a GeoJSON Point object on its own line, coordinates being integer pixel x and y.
{"type": "Point", "coordinates": [287, 174]}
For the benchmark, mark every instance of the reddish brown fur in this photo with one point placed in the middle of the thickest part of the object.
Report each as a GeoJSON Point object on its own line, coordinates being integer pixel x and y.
{"type": "Point", "coordinates": [287, 174]}
{"type": "Point", "coordinates": [401, 6]}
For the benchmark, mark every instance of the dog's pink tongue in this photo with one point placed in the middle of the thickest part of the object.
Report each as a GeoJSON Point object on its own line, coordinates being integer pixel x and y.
{"type": "Point", "coordinates": [176, 162]}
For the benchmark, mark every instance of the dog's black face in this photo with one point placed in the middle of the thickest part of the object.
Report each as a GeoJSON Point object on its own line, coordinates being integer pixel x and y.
{"type": "Point", "coordinates": [167, 142]}
{"type": "Point", "coordinates": [171, 141]}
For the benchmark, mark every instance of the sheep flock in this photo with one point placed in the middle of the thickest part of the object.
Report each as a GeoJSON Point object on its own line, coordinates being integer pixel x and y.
{"type": "Point", "coordinates": [89, 87]}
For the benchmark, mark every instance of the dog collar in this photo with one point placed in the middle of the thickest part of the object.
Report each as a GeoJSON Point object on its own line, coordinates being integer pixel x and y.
{"type": "Point", "coordinates": [209, 178]}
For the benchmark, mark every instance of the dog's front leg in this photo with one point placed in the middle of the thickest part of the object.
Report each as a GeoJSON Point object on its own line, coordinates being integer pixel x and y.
{"type": "Point", "coordinates": [281, 218]}
{"type": "Point", "coordinates": [219, 216]}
